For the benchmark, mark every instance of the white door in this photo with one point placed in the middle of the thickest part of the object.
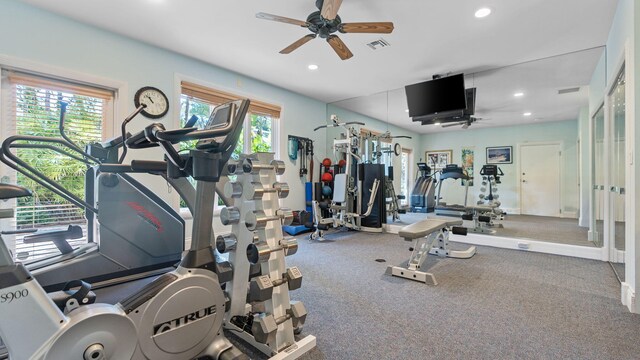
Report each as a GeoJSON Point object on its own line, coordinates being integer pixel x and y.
{"type": "Point", "coordinates": [540, 180]}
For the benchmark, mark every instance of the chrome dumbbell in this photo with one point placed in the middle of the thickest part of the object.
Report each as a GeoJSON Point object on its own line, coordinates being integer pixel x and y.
{"type": "Point", "coordinates": [233, 168]}
{"type": "Point", "coordinates": [265, 327]}
{"type": "Point", "coordinates": [226, 243]}
{"type": "Point", "coordinates": [249, 167]}
{"type": "Point", "coordinates": [261, 252]}
{"type": "Point", "coordinates": [233, 189]}
{"type": "Point", "coordinates": [257, 220]}
{"type": "Point", "coordinates": [261, 287]}
{"type": "Point", "coordinates": [256, 191]}
{"type": "Point", "coordinates": [230, 215]}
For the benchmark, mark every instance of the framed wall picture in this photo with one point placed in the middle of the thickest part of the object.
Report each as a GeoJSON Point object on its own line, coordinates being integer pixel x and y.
{"type": "Point", "coordinates": [438, 159]}
{"type": "Point", "coordinates": [500, 155]}
{"type": "Point", "coordinates": [467, 163]}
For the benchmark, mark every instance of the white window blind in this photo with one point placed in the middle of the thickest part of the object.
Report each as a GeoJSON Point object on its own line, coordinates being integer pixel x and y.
{"type": "Point", "coordinates": [33, 108]}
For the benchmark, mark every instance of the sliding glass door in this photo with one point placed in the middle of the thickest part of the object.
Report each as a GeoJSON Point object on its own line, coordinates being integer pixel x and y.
{"type": "Point", "coordinates": [617, 112]}
{"type": "Point", "coordinates": [597, 147]}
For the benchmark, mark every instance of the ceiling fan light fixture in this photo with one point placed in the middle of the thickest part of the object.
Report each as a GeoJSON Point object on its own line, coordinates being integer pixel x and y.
{"type": "Point", "coordinates": [483, 12]}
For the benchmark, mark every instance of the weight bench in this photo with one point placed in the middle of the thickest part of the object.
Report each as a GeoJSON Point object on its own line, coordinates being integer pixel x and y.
{"type": "Point", "coordinates": [482, 216]}
{"type": "Point", "coordinates": [432, 238]}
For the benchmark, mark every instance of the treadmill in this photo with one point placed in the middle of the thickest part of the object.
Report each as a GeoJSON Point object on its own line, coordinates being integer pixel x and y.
{"type": "Point", "coordinates": [423, 197]}
{"type": "Point", "coordinates": [455, 172]}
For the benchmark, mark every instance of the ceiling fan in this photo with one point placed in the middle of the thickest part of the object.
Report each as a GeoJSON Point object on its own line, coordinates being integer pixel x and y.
{"type": "Point", "coordinates": [325, 23]}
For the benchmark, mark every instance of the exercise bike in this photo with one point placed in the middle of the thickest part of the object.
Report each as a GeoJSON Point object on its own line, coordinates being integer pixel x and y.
{"type": "Point", "coordinates": [177, 316]}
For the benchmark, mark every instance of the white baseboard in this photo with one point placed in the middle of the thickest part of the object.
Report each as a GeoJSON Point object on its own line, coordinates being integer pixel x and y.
{"type": "Point", "coordinates": [569, 214]}
{"type": "Point", "coordinates": [628, 297]}
{"type": "Point", "coordinates": [584, 252]}
{"type": "Point", "coordinates": [511, 211]}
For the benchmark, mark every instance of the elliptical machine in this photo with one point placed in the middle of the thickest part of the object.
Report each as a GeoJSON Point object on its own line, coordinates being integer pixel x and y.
{"type": "Point", "coordinates": [177, 316]}
{"type": "Point", "coordinates": [423, 195]}
{"type": "Point", "coordinates": [114, 206]}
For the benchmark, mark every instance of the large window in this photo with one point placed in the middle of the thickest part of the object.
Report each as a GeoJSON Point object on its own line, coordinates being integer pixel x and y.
{"type": "Point", "coordinates": [33, 108]}
{"type": "Point", "coordinates": [258, 127]}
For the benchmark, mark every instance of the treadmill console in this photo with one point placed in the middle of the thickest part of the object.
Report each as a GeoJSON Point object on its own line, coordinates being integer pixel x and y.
{"type": "Point", "coordinates": [220, 116]}
{"type": "Point", "coordinates": [452, 168]}
{"type": "Point", "coordinates": [489, 170]}
{"type": "Point", "coordinates": [424, 169]}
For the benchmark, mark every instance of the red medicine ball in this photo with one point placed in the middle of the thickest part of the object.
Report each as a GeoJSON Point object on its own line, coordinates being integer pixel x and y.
{"type": "Point", "coordinates": [342, 163]}
{"type": "Point", "coordinates": [327, 177]}
{"type": "Point", "coordinates": [326, 162]}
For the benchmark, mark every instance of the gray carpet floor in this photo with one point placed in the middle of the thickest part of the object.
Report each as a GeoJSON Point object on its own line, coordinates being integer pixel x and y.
{"type": "Point", "coordinates": [501, 304]}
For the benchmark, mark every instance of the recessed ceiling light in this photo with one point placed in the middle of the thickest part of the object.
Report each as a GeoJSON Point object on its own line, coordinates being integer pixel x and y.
{"type": "Point", "coordinates": [313, 67]}
{"type": "Point", "coordinates": [518, 94]}
{"type": "Point", "coordinates": [527, 114]}
{"type": "Point", "coordinates": [407, 110]}
{"type": "Point", "coordinates": [436, 124]}
{"type": "Point", "coordinates": [483, 12]}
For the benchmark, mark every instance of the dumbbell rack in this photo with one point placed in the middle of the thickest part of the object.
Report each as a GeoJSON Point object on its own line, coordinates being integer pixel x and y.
{"type": "Point", "coordinates": [239, 216]}
{"type": "Point", "coordinates": [489, 182]}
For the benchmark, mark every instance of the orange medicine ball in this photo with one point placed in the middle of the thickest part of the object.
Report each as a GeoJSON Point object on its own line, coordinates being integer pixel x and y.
{"type": "Point", "coordinates": [327, 177]}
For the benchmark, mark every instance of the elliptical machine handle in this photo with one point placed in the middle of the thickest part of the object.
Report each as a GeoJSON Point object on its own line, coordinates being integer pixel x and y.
{"type": "Point", "coordinates": [81, 293]}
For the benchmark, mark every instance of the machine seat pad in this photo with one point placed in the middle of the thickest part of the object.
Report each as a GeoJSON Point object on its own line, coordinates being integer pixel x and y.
{"type": "Point", "coordinates": [425, 227]}
{"type": "Point", "coordinates": [12, 191]}
{"type": "Point", "coordinates": [487, 208]}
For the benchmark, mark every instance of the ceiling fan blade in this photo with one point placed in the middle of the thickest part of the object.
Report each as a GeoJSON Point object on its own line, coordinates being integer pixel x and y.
{"type": "Point", "coordinates": [303, 40]}
{"type": "Point", "coordinates": [367, 27]}
{"type": "Point", "coordinates": [452, 124]}
{"type": "Point", "coordinates": [330, 9]}
{"type": "Point", "coordinates": [281, 19]}
{"type": "Point", "coordinates": [339, 47]}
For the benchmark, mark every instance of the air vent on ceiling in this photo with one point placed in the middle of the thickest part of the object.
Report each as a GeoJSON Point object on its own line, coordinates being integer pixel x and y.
{"type": "Point", "coordinates": [568, 91]}
{"type": "Point", "coordinates": [378, 44]}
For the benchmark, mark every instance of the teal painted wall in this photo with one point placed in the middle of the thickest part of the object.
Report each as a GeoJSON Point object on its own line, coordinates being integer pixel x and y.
{"type": "Point", "coordinates": [479, 138]}
{"type": "Point", "coordinates": [54, 40]}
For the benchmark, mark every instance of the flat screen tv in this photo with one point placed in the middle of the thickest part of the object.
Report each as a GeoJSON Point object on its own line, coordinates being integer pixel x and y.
{"type": "Point", "coordinates": [452, 116]}
{"type": "Point", "coordinates": [436, 96]}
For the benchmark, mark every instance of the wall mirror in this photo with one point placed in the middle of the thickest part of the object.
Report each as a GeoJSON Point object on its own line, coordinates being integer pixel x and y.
{"type": "Point", "coordinates": [533, 122]}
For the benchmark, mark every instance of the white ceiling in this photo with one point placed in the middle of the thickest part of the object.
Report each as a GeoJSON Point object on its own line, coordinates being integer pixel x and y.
{"type": "Point", "coordinates": [430, 37]}
{"type": "Point", "coordinates": [496, 105]}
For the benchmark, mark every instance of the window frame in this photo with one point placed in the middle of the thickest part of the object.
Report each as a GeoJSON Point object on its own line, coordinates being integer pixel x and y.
{"type": "Point", "coordinates": [117, 108]}
{"type": "Point", "coordinates": [410, 171]}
